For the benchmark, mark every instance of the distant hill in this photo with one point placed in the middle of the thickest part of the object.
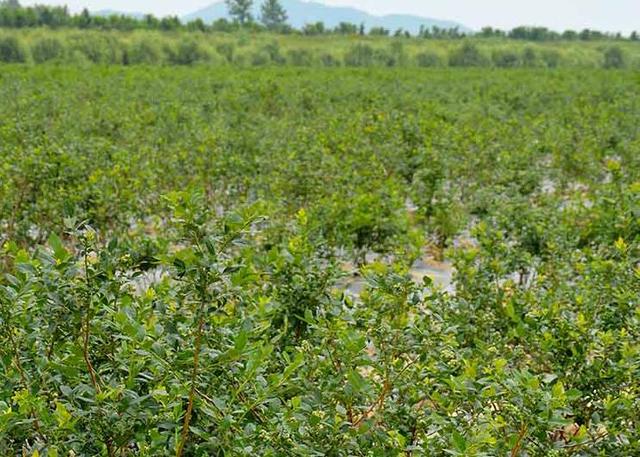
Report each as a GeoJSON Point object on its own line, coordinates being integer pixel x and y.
{"type": "Point", "coordinates": [302, 12]}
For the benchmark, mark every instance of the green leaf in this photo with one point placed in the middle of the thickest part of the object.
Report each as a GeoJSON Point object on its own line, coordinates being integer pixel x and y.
{"type": "Point", "coordinates": [558, 391]}
{"type": "Point", "coordinates": [59, 251]}
{"type": "Point", "coordinates": [459, 441]}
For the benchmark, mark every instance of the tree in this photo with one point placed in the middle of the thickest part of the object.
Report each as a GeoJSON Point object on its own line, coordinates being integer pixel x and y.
{"type": "Point", "coordinates": [634, 36]}
{"type": "Point", "coordinates": [378, 31]}
{"type": "Point", "coordinates": [150, 21]}
{"type": "Point", "coordinates": [317, 28]}
{"type": "Point", "coordinates": [346, 28]}
{"type": "Point", "coordinates": [240, 10]}
{"type": "Point", "coordinates": [585, 35]}
{"type": "Point", "coordinates": [273, 15]}
{"type": "Point", "coordinates": [169, 23]}
{"type": "Point", "coordinates": [197, 25]}
{"type": "Point", "coordinates": [84, 19]}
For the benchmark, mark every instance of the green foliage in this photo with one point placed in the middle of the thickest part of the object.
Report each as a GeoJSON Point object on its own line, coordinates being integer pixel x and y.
{"type": "Point", "coordinates": [428, 59]}
{"type": "Point", "coordinates": [398, 53]}
{"type": "Point", "coordinates": [329, 60]}
{"type": "Point", "coordinates": [240, 10]}
{"type": "Point", "coordinates": [379, 31]}
{"type": "Point", "coordinates": [505, 59]}
{"type": "Point", "coordinates": [551, 58]}
{"type": "Point", "coordinates": [274, 55]}
{"type": "Point", "coordinates": [226, 50]}
{"type": "Point", "coordinates": [47, 49]}
{"type": "Point", "coordinates": [614, 58]}
{"type": "Point", "coordinates": [359, 55]}
{"type": "Point", "coordinates": [467, 55]}
{"type": "Point", "coordinates": [143, 51]}
{"type": "Point", "coordinates": [529, 57]}
{"type": "Point", "coordinates": [273, 15]}
{"type": "Point", "coordinates": [224, 261]}
{"type": "Point", "coordinates": [12, 50]}
{"type": "Point", "coordinates": [96, 48]}
{"type": "Point", "coordinates": [260, 58]}
{"type": "Point", "coordinates": [314, 46]}
{"type": "Point", "coordinates": [273, 18]}
{"type": "Point", "coordinates": [346, 28]}
{"type": "Point", "coordinates": [314, 28]}
{"type": "Point", "coordinates": [301, 58]}
{"type": "Point", "coordinates": [188, 52]}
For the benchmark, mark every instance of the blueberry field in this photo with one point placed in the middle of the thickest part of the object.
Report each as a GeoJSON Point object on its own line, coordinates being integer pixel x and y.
{"type": "Point", "coordinates": [285, 261]}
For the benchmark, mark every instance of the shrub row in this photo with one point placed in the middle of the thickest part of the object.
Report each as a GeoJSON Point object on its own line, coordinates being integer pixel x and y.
{"type": "Point", "coordinates": [106, 49]}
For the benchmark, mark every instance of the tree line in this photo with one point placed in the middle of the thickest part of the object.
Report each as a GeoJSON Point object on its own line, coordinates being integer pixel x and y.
{"type": "Point", "coordinates": [273, 17]}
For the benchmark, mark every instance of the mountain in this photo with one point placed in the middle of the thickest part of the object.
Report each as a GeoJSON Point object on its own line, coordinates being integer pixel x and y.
{"type": "Point", "coordinates": [302, 12]}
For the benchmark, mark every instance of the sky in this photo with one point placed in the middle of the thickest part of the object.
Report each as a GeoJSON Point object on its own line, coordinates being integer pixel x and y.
{"type": "Point", "coordinates": [607, 15]}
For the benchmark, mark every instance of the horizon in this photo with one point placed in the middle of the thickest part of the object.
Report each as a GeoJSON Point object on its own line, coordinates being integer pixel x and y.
{"type": "Point", "coordinates": [615, 16]}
